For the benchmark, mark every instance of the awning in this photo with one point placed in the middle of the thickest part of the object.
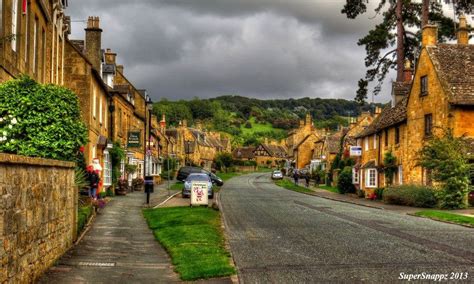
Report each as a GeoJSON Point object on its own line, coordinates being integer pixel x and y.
{"type": "Point", "coordinates": [370, 164]}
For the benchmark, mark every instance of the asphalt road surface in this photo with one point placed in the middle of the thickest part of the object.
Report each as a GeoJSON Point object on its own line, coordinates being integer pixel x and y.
{"type": "Point", "coordinates": [280, 236]}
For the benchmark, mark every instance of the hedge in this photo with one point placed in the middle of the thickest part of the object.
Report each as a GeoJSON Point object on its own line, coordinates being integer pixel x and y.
{"type": "Point", "coordinates": [410, 195]}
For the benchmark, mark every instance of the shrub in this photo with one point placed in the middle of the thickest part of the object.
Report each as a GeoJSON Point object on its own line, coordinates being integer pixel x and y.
{"type": "Point", "coordinates": [379, 193]}
{"type": "Point", "coordinates": [446, 158]}
{"type": "Point", "coordinates": [137, 184]}
{"type": "Point", "coordinates": [164, 175]}
{"type": "Point", "coordinates": [410, 195]}
{"type": "Point", "coordinates": [248, 124]}
{"type": "Point", "coordinates": [360, 193]}
{"type": "Point", "coordinates": [83, 215]}
{"type": "Point", "coordinates": [344, 181]}
{"type": "Point", "coordinates": [40, 120]}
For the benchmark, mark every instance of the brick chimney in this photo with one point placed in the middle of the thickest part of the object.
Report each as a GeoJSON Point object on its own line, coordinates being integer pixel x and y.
{"type": "Point", "coordinates": [110, 57]}
{"type": "Point", "coordinates": [93, 41]}
{"type": "Point", "coordinates": [163, 123]}
{"type": "Point", "coordinates": [430, 35]}
{"type": "Point", "coordinates": [407, 71]}
{"type": "Point", "coordinates": [120, 69]}
{"type": "Point", "coordinates": [463, 31]}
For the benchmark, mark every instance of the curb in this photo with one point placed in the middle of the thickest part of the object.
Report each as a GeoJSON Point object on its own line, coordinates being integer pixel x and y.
{"type": "Point", "coordinates": [442, 221]}
{"type": "Point", "coordinates": [349, 202]}
{"type": "Point", "coordinates": [234, 278]}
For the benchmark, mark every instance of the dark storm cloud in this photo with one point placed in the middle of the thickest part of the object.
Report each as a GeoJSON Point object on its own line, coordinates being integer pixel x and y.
{"type": "Point", "coordinates": [205, 48]}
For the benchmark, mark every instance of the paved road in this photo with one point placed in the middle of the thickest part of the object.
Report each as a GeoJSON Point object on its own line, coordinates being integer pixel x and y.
{"type": "Point", "coordinates": [119, 248]}
{"type": "Point", "coordinates": [279, 236]}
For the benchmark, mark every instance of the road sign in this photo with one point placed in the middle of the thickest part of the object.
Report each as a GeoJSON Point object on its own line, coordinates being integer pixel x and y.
{"type": "Point", "coordinates": [199, 190]}
{"type": "Point", "coordinates": [356, 151]}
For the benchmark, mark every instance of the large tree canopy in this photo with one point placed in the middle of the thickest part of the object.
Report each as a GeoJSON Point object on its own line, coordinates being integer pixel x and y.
{"type": "Point", "coordinates": [381, 42]}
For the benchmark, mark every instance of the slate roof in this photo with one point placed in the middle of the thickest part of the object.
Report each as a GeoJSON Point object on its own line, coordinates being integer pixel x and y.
{"type": "Point", "coordinates": [333, 143]}
{"type": "Point", "coordinates": [244, 153]}
{"type": "Point", "coordinates": [401, 88]}
{"type": "Point", "coordinates": [454, 65]}
{"type": "Point", "coordinates": [275, 151]}
{"type": "Point", "coordinates": [390, 116]}
{"type": "Point", "coordinates": [79, 44]}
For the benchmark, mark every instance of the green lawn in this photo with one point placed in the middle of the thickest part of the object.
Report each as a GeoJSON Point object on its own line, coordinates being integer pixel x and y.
{"type": "Point", "coordinates": [292, 186]}
{"type": "Point", "coordinates": [329, 188]}
{"type": "Point", "coordinates": [194, 239]}
{"type": "Point", "coordinates": [445, 216]}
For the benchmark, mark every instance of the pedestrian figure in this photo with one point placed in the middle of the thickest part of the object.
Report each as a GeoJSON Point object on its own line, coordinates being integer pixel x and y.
{"type": "Point", "coordinates": [306, 178]}
{"type": "Point", "coordinates": [94, 179]}
{"type": "Point", "coordinates": [295, 176]}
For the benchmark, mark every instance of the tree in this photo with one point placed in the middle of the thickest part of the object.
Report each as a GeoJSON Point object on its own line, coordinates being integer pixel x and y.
{"type": "Point", "coordinates": [224, 161]}
{"type": "Point", "coordinates": [446, 158]}
{"type": "Point", "coordinates": [397, 17]}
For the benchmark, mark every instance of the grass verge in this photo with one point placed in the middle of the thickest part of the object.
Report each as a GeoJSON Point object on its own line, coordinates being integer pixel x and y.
{"type": "Point", "coordinates": [177, 186]}
{"type": "Point", "coordinates": [227, 176]}
{"type": "Point", "coordinates": [445, 216]}
{"type": "Point", "coordinates": [329, 188]}
{"type": "Point", "coordinates": [194, 240]}
{"type": "Point", "coordinates": [291, 186]}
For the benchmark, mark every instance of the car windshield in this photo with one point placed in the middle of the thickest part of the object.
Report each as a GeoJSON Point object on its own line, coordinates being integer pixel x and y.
{"type": "Point", "coordinates": [198, 177]}
{"type": "Point", "coordinates": [277, 172]}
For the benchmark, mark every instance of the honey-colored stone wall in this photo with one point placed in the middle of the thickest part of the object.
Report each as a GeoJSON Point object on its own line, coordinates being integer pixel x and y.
{"type": "Point", "coordinates": [38, 215]}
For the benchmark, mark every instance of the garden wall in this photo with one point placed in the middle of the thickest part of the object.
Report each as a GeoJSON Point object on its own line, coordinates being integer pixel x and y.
{"type": "Point", "coordinates": [246, 168]}
{"type": "Point", "coordinates": [38, 213]}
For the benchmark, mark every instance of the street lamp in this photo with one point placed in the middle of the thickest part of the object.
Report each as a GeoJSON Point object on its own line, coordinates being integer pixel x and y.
{"type": "Point", "coordinates": [148, 177]}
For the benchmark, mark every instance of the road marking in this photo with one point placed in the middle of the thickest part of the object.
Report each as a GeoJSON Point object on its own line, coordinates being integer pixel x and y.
{"type": "Point", "coordinates": [97, 264]}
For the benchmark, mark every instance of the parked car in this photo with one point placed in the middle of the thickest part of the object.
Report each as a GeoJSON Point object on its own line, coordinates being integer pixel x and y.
{"type": "Point", "coordinates": [184, 172]}
{"type": "Point", "coordinates": [277, 175]}
{"type": "Point", "coordinates": [197, 177]}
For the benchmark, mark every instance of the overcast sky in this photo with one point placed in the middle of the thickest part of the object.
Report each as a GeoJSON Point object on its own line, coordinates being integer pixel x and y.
{"type": "Point", "coordinates": [255, 48]}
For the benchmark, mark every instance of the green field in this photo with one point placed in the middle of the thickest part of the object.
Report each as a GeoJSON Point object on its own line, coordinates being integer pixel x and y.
{"type": "Point", "coordinates": [259, 128]}
{"type": "Point", "coordinates": [194, 239]}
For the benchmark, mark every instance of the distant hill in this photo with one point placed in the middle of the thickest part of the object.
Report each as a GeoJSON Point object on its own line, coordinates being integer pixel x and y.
{"type": "Point", "coordinates": [249, 119]}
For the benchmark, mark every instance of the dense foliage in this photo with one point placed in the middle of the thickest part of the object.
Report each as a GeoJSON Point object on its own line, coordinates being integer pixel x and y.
{"type": "Point", "coordinates": [446, 158]}
{"type": "Point", "coordinates": [252, 120]}
{"type": "Point", "coordinates": [117, 155]}
{"type": "Point", "coordinates": [344, 181]}
{"type": "Point", "coordinates": [410, 195]}
{"type": "Point", "coordinates": [40, 120]}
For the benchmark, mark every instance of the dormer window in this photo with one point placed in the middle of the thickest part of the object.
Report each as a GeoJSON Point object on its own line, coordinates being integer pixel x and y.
{"type": "Point", "coordinates": [424, 86]}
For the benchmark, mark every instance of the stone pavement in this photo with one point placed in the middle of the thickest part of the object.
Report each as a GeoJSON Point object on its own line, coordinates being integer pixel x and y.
{"type": "Point", "coordinates": [119, 248]}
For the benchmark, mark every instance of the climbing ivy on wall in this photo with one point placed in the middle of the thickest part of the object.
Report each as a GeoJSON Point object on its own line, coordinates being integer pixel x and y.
{"type": "Point", "coordinates": [39, 120]}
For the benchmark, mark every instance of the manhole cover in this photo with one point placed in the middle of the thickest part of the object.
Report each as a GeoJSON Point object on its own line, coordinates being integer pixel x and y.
{"type": "Point", "coordinates": [97, 264]}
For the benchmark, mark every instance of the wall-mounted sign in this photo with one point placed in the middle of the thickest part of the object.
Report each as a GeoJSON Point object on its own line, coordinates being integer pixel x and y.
{"type": "Point", "coordinates": [134, 139]}
{"type": "Point", "coordinates": [356, 151]}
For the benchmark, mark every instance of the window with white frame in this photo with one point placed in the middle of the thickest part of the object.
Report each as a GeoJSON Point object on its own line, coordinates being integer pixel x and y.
{"type": "Point", "coordinates": [14, 23]}
{"type": "Point", "coordinates": [122, 168]}
{"type": "Point", "coordinates": [94, 103]}
{"type": "Point", "coordinates": [100, 110]}
{"type": "Point", "coordinates": [355, 176]}
{"type": "Point", "coordinates": [1, 18]}
{"type": "Point", "coordinates": [400, 175]}
{"type": "Point", "coordinates": [371, 178]}
{"type": "Point", "coordinates": [366, 142]}
{"type": "Point", "coordinates": [155, 169]}
{"type": "Point", "coordinates": [107, 169]}
{"type": "Point", "coordinates": [375, 141]}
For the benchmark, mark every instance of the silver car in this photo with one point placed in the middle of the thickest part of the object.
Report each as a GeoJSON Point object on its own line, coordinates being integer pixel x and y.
{"type": "Point", "coordinates": [277, 175]}
{"type": "Point", "coordinates": [197, 177]}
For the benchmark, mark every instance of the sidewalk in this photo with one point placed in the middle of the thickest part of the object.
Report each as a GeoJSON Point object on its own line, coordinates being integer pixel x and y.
{"type": "Point", "coordinates": [119, 248]}
{"type": "Point", "coordinates": [353, 199]}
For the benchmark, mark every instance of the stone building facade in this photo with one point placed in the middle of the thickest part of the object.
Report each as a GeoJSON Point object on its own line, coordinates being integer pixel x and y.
{"type": "Point", "coordinates": [440, 97]}
{"type": "Point", "coordinates": [33, 39]}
